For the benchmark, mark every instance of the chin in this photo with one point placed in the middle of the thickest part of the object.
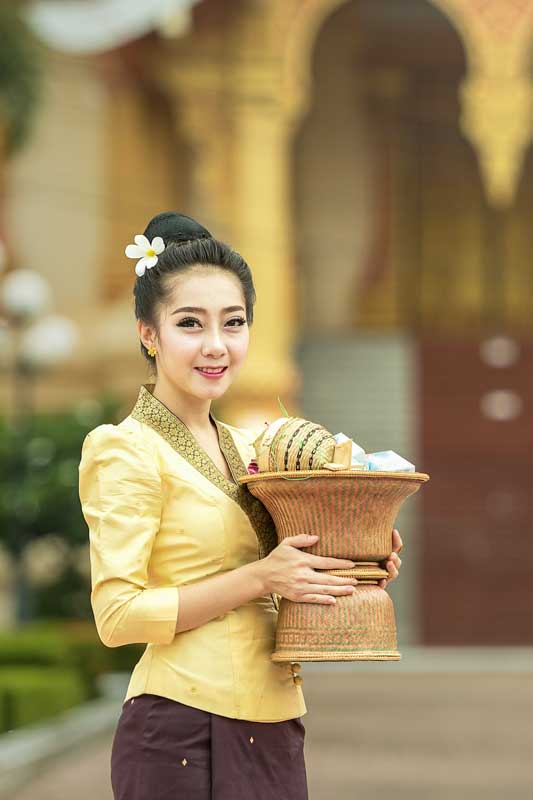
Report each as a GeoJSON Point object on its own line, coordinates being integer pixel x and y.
{"type": "Point", "coordinates": [212, 391]}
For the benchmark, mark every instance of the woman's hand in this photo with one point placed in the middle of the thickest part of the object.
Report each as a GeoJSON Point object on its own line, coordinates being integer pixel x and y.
{"type": "Point", "coordinates": [394, 562]}
{"type": "Point", "coordinates": [292, 574]}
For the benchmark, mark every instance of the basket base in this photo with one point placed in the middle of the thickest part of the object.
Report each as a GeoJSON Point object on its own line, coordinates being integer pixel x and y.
{"type": "Point", "coordinates": [369, 655]}
{"type": "Point", "coordinates": [360, 627]}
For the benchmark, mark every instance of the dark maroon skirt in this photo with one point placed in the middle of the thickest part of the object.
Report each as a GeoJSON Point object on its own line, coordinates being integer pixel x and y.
{"type": "Point", "coordinates": [165, 750]}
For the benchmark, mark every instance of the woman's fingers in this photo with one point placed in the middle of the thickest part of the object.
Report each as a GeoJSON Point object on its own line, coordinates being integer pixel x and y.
{"type": "Point", "coordinates": [331, 580]}
{"type": "Point", "coordinates": [318, 588]}
{"type": "Point", "coordinates": [324, 594]}
{"type": "Point", "coordinates": [397, 543]}
{"type": "Point", "coordinates": [323, 562]}
{"type": "Point", "coordinates": [325, 599]}
{"type": "Point", "coordinates": [301, 540]}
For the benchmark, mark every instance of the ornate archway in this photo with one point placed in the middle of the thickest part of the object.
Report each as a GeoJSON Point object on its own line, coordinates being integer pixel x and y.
{"type": "Point", "coordinates": [496, 96]}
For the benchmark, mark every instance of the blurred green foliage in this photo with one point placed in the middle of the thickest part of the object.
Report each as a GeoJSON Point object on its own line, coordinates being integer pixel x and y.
{"type": "Point", "coordinates": [51, 665]}
{"type": "Point", "coordinates": [21, 67]}
{"type": "Point", "coordinates": [39, 496]}
{"type": "Point", "coordinates": [30, 694]}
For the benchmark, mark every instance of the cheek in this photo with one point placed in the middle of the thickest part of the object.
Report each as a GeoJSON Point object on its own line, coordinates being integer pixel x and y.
{"type": "Point", "coordinates": [182, 347]}
{"type": "Point", "coordinates": [240, 348]}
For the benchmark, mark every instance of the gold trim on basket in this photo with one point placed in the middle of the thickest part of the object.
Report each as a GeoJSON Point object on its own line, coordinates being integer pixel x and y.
{"type": "Point", "coordinates": [364, 571]}
{"type": "Point", "coordinates": [364, 655]}
{"type": "Point", "coordinates": [420, 477]}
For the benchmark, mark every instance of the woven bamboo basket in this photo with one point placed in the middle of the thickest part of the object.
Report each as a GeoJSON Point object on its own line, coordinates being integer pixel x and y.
{"type": "Point", "coordinates": [293, 443]}
{"type": "Point", "coordinates": [353, 513]}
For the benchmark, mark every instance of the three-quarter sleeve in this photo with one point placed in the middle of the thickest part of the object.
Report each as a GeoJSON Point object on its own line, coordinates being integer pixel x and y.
{"type": "Point", "coordinates": [120, 494]}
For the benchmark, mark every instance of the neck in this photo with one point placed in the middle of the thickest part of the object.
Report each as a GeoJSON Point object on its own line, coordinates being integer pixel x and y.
{"type": "Point", "coordinates": [194, 413]}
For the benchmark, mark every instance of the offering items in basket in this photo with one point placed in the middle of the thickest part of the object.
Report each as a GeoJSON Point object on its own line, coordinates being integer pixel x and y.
{"type": "Point", "coordinates": [293, 443]}
{"type": "Point", "coordinates": [388, 461]}
{"type": "Point", "coordinates": [313, 482]}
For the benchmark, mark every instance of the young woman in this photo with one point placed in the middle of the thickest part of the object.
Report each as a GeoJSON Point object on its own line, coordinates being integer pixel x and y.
{"type": "Point", "coordinates": [184, 559]}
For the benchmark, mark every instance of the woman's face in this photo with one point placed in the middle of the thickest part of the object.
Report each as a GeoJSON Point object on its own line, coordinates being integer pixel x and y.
{"type": "Point", "coordinates": [203, 326]}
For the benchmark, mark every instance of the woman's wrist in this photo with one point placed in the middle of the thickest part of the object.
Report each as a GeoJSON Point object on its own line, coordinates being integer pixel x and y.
{"type": "Point", "coordinates": [259, 576]}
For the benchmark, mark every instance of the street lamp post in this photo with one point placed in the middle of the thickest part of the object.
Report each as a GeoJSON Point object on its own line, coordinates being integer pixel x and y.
{"type": "Point", "coordinates": [36, 341]}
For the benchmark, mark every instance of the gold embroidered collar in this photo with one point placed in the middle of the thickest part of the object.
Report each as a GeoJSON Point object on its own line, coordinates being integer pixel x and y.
{"type": "Point", "coordinates": [153, 412]}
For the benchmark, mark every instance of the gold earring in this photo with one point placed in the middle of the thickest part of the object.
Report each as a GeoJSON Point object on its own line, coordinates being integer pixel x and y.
{"type": "Point", "coordinates": [152, 351]}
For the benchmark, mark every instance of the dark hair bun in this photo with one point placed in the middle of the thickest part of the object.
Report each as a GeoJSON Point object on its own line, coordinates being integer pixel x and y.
{"type": "Point", "coordinates": [174, 227]}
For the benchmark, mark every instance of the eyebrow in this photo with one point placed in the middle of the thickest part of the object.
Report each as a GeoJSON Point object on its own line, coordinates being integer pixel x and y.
{"type": "Point", "coordinates": [203, 310]}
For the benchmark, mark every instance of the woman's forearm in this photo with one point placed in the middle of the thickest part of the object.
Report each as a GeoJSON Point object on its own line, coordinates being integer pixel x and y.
{"type": "Point", "coordinates": [214, 596]}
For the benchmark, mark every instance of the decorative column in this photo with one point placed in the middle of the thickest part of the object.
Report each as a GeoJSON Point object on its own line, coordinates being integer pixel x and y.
{"type": "Point", "coordinates": [231, 113]}
{"type": "Point", "coordinates": [262, 229]}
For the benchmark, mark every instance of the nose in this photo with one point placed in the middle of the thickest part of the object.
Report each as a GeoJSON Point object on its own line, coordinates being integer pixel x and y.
{"type": "Point", "coordinates": [213, 344]}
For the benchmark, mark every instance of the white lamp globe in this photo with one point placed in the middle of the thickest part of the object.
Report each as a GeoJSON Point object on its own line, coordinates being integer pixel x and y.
{"type": "Point", "coordinates": [25, 293]}
{"type": "Point", "coordinates": [48, 342]}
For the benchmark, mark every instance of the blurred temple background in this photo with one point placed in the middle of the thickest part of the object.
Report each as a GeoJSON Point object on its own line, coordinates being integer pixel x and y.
{"type": "Point", "coordinates": [372, 161]}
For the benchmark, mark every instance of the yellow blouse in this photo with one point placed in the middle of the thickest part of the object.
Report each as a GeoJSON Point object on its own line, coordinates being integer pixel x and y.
{"type": "Point", "coordinates": [162, 515]}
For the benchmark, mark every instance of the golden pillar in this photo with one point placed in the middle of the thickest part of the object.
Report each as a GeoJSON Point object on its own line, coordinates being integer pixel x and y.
{"type": "Point", "coordinates": [263, 232]}
{"type": "Point", "coordinates": [232, 115]}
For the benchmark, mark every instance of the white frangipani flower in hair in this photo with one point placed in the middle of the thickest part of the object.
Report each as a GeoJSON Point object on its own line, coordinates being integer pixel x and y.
{"type": "Point", "coordinates": [146, 253]}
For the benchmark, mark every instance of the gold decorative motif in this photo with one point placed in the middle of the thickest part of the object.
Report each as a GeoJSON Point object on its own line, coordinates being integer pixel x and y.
{"type": "Point", "coordinates": [184, 762]}
{"type": "Point", "coordinates": [151, 411]}
{"type": "Point", "coordinates": [251, 739]}
{"type": "Point", "coordinates": [497, 94]}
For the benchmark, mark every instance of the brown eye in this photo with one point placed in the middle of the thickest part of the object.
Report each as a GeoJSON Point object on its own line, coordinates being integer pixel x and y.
{"type": "Point", "coordinates": [238, 321]}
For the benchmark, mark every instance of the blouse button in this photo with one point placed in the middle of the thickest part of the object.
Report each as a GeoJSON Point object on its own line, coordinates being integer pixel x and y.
{"type": "Point", "coordinates": [295, 669]}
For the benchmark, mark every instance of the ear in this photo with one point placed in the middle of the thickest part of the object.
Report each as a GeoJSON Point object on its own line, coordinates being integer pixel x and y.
{"type": "Point", "coordinates": [146, 333]}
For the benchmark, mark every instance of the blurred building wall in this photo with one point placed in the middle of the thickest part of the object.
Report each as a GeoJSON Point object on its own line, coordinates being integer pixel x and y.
{"type": "Point", "coordinates": [57, 186]}
{"type": "Point", "coordinates": [322, 139]}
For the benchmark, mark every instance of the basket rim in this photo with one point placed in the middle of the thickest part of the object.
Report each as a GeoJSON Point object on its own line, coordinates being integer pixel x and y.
{"type": "Point", "coordinates": [417, 477]}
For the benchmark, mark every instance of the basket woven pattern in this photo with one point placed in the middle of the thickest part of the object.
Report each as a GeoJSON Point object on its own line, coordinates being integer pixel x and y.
{"type": "Point", "coordinates": [297, 444]}
{"type": "Point", "coordinates": [353, 513]}
{"type": "Point", "coordinates": [358, 627]}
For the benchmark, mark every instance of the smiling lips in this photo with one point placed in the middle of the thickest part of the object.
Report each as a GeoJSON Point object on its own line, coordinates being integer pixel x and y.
{"type": "Point", "coordinates": [211, 372]}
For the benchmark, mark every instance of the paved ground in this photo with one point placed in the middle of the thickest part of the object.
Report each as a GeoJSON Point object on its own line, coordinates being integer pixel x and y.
{"type": "Point", "coordinates": [372, 736]}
